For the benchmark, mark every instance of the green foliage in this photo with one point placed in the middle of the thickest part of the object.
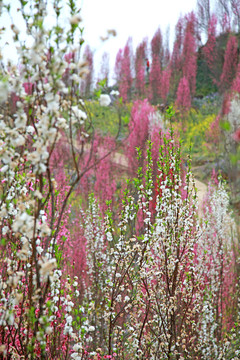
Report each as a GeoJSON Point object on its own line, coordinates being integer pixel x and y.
{"type": "Point", "coordinates": [195, 135]}
{"type": "Point", "coordinates": [101, 87]}
{"type": "Point", "coordinates": [106, 119]}
{"type": "Point", "coordinates": [204, 82]}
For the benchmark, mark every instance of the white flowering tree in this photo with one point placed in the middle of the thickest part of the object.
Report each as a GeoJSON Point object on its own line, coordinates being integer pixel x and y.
{"type": "Point", "coordinates": [231, 127]}
{"type": "Point", "coordinates": [142, 292]}
{"type": "Point", "coordinates": [216, 261]}
{"type": "Point", "coordinates": [164, 288]}
{"type": "Point", "coordinates": [37, 108]}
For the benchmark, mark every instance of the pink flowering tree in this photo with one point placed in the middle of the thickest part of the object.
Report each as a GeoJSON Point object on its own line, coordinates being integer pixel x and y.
{"type": "Point", "coordinates": [123, 69]}
{"type": "Point", "coordinates": [230, 64]}
{"type": "Point", "coordinates": [104, 73]}
{"type": "Point", "coordinates": [86, 84]}
{"type": "Point", "coordinates": [183, 101]}
{"type": "Point", "coordinates": [156, 67]}
{"type": "Point", "coordinates": [165, 84]}
{"type": "Point", "coordinates": [236, 82]}
{"type": "Point", "coordinates": [189, 66]}
{"type": "Point", "coordinates": [139, 131]}
{"type": "Point", "coordinates": [176, 58]}
{"type": "Point", "coordinates": [210, 49]}
{"type": "Point", "coordinates": [184, 56]}
{"type": "Point", "coordinates": [155, 80]}
{"type": "Point", "coordinates": [117, 67]}
{"type": "Point", "coordinates": [140, 64]}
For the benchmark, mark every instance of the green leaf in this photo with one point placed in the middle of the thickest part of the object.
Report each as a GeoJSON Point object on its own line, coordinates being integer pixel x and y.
{"type": "Point", "coordinates": [234, 159]}
{"type": "Point", "coordinates": [225, 125]}
{"type": "Point", "coordinates": [98, 93]}
{"type": "Point", "coordinates": [102, 83]}
{"type": "Point", "coordinates": [125, 119]}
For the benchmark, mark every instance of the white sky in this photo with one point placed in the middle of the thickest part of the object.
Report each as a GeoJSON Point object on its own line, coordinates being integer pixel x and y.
{"type": "Point", "coordinates": [138, 19]}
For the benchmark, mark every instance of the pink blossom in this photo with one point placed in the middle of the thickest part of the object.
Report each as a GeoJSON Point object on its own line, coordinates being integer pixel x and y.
{"type": "Point", "coordinates": [189, 53]}
{"type": "Point", "coordinates": [183, 95]}
{"type": "Point", "coordinates": [28, 87]}
{"type": "Point", "coordinates": [69, 57]}
{"type": "Point", "coordinates": [236, 135]}
{"type": "Point", "coordinates": [230, 63]}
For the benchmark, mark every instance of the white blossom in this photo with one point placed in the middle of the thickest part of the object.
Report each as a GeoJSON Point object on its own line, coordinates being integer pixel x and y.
{"type": "Point", "coordinates": [75, 19]}
{"type": "Point", "coordinates": [104, 100]}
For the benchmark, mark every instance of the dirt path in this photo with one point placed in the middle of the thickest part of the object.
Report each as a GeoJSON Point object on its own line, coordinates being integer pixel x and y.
{"type": "Point", "coordinates": [201, 192]}
{"type": "Point", "coordinates": [121, 160]}
{"type": "Point", "coordinates": [201, 187]}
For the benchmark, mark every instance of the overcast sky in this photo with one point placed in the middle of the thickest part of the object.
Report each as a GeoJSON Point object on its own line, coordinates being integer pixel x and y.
{"type": "Point", "coordinates": [138, 19]}
{"type": "Point", "coordinates": [130, 18]}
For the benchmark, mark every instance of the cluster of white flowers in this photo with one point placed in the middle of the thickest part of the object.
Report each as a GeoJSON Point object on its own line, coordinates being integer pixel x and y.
{"type": "Point", "coordinates": [214, 257]}
{"type": "Point", "coordinates": [35, 109]}
{"type": "Point", "coordinates": [104, 100]}
{"type": "Point", "coordinates": [9, 294]}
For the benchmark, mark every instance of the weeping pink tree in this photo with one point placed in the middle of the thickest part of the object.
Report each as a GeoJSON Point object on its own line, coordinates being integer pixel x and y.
{"type": "Point", "coordinates": [184, 56]}
{"type": "Point", "coordinates": [105, 184]}
{"type": "Point", "coordinates": [123, 67]}
{"type": "Point", "coordinates": [210, 49]}
{"type": "Point", "coordinates": [117, 67]}
{"type": "Point", "coordinates": [165, 84]}
{"type": "Point", "coordinates": [140, 58]}
{"type": "Point", "coordinates": [230, 64]}
{"type": "Point", "coordinates": [155, 71]}
{"type": "Point", "coordinates": [104, 73]}
{"type": "Point", "coordinates": [139, 131]}
{"type": "Point", "coordinates": [189, 55]}
{"type": "Point", "coordinates": [155, 80]}
{"type": "Point", "coordinates": [236, 81]}
{"type": "Point", "coordinates": [176, 58]}
{"type": "Point", "coordinates": [183, 101]}
{"type": "Point", "coordinates": [86, 85]}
